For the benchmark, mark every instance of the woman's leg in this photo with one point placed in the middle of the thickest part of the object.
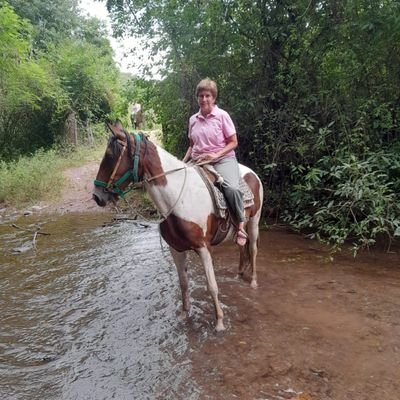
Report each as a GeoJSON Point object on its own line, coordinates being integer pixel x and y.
{"type": "Point", "coordinates": [229, 169]}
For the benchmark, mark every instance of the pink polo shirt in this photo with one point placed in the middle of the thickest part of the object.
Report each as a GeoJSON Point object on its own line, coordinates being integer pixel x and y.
{"type": "Point", "coordinates": [209, 133]}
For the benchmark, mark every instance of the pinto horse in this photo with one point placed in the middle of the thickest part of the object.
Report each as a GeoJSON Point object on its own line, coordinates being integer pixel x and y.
{"type": "Point", "coordinates": [190, 220]}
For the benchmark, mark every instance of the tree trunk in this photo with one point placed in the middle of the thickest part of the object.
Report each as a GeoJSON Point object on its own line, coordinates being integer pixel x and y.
{"type": "Point", "coordinates": [71, 129]}
{"type": "Point", "coordinates": [89, 133]}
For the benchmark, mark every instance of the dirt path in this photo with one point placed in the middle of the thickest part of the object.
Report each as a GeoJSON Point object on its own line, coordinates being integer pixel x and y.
{"type": "Point", "coordinates": [76, 195]}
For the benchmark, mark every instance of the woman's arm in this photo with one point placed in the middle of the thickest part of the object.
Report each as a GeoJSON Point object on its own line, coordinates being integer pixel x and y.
{"type": "Point", "coordinates": [188, 154]}
{"type": "Point", "coordinates": [231, 144]}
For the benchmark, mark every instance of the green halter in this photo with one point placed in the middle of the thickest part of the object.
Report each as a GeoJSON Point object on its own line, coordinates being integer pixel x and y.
{"type": "Point", "coordinates": [133, 174]}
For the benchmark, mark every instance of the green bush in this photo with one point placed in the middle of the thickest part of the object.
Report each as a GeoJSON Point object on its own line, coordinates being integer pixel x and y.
{"type": "Point", "coordinates": [40, 176]}
{"type": "Point", "coordinates": [30, 178]}
{"type": "Point", "coordinates": [344, 198]}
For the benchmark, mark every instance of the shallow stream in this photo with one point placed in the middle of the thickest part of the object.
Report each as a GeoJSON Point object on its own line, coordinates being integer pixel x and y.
{"type": "Point", "coordinates": [89, 312]}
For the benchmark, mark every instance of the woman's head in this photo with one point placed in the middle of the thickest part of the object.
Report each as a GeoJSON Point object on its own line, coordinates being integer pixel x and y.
{"type": "Point", "coordinates": [206, 93]}
{"type": "Point", "coordinates": [207, 84]}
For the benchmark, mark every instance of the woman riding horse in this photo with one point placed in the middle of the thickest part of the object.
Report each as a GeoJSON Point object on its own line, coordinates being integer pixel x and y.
{"type": "Point", "coordinates": [212, 137]}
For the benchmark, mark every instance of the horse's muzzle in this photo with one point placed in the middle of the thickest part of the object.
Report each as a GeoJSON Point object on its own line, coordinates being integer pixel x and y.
{"type": "Point", "coordinates": [101, 197]}
{"type": "Point", "coordinates": [99, 202]}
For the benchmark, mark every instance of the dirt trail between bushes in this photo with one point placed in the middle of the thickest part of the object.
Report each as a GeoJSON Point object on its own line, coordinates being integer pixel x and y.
{"type": "Point", "coordinates": [77, 193]}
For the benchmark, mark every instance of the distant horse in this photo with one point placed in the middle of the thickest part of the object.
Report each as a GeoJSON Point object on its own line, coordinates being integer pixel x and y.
{"type": "Point", "coordinates": [190, 219]}
{"type": "Point", "coordinates": [137, 119]}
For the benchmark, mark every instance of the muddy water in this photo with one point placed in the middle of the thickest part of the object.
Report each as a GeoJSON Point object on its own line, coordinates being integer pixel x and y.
{"type": "Point", "coordinates": [91, 314]}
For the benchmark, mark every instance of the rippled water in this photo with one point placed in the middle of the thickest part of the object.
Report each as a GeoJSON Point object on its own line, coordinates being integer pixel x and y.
{"type": "Point", "coordinates": [90, 314]}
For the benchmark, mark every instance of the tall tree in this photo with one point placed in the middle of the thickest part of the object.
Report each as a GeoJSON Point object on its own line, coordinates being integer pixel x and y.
{"type": "Point", "coordinates": [27, 88]}
{"type": "Point", "coordinates": [52, 20]}
{"type": "Point", "coordinates": [53, 64]}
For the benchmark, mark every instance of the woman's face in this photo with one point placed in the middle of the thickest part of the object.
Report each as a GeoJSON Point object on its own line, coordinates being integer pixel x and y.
{"type": "Point", "coordinates": [206, 101]}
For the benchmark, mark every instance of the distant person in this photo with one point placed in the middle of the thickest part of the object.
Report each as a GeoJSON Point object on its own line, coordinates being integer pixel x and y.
{"type": "Point", "coordinates": [213, 138]}
{"type": "Point", "coordinates": [136, 116]}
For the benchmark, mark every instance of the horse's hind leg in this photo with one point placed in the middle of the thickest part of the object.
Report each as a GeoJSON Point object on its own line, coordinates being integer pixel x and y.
{"type": "Point", "coordinates": [206, 260]}
{"type": "Point", "coordinates": [242, 260]}
{"type": "Point", "coordinates": [180, 259]}
{"type": "Point", "coordinates": [253, 232]}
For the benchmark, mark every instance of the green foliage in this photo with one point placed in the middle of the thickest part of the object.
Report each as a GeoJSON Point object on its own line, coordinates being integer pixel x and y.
{"type": "Point", "coordinates": [40, 176]}
{"type": "Point", "coordinates": [53, 63]}
{"type": "Point", "coordinates": [26, 180]}
{"type": "Point", "coordinates": [344, 198]}
{"type": "Point", "coordinates": [29, 91]}
{"type": "Point", "coordinates": [88, 76]}
{"type": "Point", "coordinates": [14, 38]}
{"type": "Point", "coordinates": [51, 20]}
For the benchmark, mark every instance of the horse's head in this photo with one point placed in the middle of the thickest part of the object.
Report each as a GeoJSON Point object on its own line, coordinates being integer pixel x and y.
{"type": "Point", "coordinates": [116, 171]}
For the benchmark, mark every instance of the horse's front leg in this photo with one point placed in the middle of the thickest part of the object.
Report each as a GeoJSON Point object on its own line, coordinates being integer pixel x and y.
{"type": "Point", "coordinates": [180, 259]}
{"type": "Point", "coordinates": [206, 260]}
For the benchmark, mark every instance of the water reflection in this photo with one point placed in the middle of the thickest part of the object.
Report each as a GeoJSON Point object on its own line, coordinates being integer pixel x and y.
{"type": "Point", "coordinates": [91, 314]}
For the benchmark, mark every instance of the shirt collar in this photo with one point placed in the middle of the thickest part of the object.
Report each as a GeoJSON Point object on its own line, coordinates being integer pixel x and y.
{"type": "Point", "coordinates": [212, 113]}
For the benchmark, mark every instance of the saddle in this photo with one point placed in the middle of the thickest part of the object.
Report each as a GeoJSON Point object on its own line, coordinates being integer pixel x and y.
{"type": "Point", "coordinates": [213, 179]}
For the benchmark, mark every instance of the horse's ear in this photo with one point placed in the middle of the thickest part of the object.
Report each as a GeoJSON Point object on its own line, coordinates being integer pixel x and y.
{"type": "Point", "coordinates": [117, 130]}
{"type": "Point", "coordinates": [110, 127]}
{"type": "Point", "coordinates": [118, 124]}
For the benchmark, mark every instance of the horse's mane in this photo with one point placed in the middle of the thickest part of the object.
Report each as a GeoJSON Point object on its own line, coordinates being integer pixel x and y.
{"type": "Point", "coordinates": [116, 147]}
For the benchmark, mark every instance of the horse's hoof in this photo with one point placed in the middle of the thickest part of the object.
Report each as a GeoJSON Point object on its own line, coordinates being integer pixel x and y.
{"type": "Point", "coordinates": [254, 284]}
{"type": "Point", "coordinates": [220, 326]}
{"type": "Point", "coordinates": [183, 316]}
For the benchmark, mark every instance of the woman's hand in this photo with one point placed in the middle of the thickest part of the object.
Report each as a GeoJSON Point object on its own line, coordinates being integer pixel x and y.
{"type": "Point", "coordinates": [207, 157]}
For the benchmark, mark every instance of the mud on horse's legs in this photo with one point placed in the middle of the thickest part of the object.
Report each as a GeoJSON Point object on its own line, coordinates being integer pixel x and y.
{"type": "Point", "coordinates": [206, 260]}
{"type": "Point", "coordinates": [180, 259]}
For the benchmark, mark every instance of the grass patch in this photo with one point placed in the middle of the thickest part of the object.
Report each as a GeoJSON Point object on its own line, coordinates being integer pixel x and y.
{"type": "Point", "coordinates": [40, 177]}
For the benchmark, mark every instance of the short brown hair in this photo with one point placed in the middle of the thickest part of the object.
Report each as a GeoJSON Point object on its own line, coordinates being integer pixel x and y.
{"type": "Point", "coordinates": [207, 84]}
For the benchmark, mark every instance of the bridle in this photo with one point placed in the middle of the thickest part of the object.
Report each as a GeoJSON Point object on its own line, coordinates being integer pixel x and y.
{"type": "Point", "coordinates": [130, 174]}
